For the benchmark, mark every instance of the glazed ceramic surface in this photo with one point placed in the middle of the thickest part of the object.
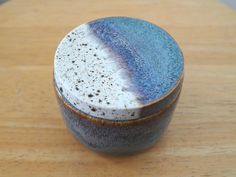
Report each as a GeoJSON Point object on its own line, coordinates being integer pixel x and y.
{"type": "Point", "coordinates": [117, 138]}
{"type": "Point", "coordinates": [117, 81]}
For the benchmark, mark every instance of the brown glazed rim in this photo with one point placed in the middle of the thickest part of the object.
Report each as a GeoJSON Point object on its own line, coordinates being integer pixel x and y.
{"type": "Point", "coordinates": [103, 121]}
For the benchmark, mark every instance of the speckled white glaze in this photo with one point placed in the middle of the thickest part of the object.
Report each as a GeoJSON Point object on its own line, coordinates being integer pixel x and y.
{"type": "Point", "coordinates": [89, 77]}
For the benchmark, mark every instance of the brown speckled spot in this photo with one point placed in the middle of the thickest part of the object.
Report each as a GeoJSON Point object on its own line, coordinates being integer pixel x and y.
{"type": "Point", "coordinates": [93, 109]}
{"type": "Point", "coordinates": [90, 95]}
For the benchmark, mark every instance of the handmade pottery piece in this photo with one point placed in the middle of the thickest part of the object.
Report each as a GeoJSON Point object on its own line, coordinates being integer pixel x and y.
{"type": "Point", "coordinates": [117, 81]}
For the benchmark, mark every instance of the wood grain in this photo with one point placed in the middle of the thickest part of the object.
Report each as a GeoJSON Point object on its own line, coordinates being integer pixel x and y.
{"type": "Point", "coordinates": [201, 139]}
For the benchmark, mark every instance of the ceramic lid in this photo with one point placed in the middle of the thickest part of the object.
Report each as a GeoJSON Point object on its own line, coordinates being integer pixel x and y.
{"type": "Point", "coordinates": [113, 68]}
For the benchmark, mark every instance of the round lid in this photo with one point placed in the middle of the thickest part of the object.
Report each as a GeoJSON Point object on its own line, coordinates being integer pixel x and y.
{"type": "Point", "coordinates": [113, 68]}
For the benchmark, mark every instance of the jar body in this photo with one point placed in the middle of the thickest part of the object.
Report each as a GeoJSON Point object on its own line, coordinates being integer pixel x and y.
{"type": "Point", "coordinates": [113, 137]}
{"type": "Point", "coordinates": [118, 80]}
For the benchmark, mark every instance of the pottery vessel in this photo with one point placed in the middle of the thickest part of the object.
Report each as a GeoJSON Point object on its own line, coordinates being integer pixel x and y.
{"type": "Point", "coordinates": [118, 81]}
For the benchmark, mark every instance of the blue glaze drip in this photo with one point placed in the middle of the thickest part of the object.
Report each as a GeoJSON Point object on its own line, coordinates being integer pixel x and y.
{"type": "Point", "coordinates": [152, 58]}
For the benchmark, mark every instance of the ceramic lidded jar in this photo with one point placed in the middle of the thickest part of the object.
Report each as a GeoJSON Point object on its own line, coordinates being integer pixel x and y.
{"type": "Point", "coordinates": [117, 81]}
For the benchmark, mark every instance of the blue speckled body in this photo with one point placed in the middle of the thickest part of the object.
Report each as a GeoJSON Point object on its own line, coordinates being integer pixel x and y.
{"type": "Point", "coordinates": [117, 139]}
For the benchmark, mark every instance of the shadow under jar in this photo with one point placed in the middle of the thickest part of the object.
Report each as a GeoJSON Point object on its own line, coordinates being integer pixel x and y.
{"type": "Point", "coordinates": [117, 81]}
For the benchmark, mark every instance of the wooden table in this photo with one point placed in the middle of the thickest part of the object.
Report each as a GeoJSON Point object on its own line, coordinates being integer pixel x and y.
{"type": "Point", "coordinates": [201, 139]}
